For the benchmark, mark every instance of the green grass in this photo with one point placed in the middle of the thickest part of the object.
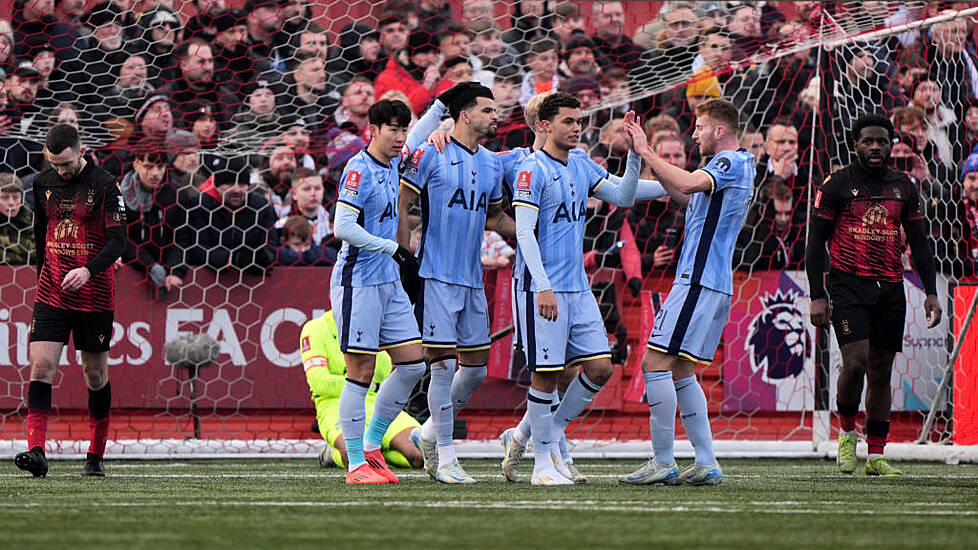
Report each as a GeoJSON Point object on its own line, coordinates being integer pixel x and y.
{"type": "Point", "coordinates": [286, 504]}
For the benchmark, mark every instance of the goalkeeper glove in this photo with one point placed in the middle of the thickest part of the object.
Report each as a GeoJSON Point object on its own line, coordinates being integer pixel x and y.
{"type": "Point", "coordinates": [408, 265]}
{"type": "Point", "coordinates": [448, 96]}
{"type": "Point", "coordinates": [634, 285]}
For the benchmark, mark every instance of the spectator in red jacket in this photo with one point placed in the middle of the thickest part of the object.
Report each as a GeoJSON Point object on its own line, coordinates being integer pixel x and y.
{"type": "Point", "coordinates": [412, 70]}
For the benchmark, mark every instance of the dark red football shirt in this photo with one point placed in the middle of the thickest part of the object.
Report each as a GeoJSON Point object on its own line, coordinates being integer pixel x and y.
{"type": "Point", "coordinates": [869, 212]}
{"type": "Point", "coordinates": [72, 217]}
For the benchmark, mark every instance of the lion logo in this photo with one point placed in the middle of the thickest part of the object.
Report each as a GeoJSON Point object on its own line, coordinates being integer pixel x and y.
{"type": "Point", "coordinates": [778, 341]}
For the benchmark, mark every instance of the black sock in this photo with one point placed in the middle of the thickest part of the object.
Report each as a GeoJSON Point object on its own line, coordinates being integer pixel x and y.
{"type": "Point", "coordinates": [100, 401]}
{"type": "Point", "coordinates": [38, 396]}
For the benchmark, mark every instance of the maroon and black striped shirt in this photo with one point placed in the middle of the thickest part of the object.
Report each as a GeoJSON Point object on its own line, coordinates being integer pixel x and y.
{"type": "Point", "coordinates": [869, 212]}
{"type": "Point", "coordinates": [70, 222]}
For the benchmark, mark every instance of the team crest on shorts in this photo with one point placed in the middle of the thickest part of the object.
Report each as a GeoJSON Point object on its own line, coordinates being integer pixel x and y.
{"type": "Point", "coordinates": [777, 340]}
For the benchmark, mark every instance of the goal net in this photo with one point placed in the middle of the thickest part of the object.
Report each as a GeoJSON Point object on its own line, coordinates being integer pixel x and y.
{"type": "Point", "coordinates": [168, 93]}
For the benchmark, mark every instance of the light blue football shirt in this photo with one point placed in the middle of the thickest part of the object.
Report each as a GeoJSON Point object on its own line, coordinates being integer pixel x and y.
{"type": "Point", "coordinates": [511, 163]}
{"type": "Point", "coordinates": [713, 221]}
{"type": "Point", "coordinates": [455, 188]}
{"type": "Point", "coordinates": [369, 188]}
{"type": "Point", "coordinates": [559, 192]}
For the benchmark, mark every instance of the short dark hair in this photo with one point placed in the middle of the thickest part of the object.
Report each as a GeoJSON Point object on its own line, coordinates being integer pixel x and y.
{"type": "Point", "coordinates": [541, 46]}
{"type": "Point", "coordinates": [182, 49]}
{"type": "Point", "coordinates": [551, 105]}
{"type": "Point", "coordinates": [871, 119]}
{"type": "Point", "coordinates": [150, 150]}
{"type": "Point", "coordinates": [467, 98]}
{"type": "Point", "coordinates": [390, 112]}
{"type": "Point", "coordinates": [509, 74]}
{"type": "Point", "coordinates": [721, 110]}
{"type": "Point", "coordinates": [362, 78]}
{"type": "Point", "coordinates": [60, 137]}
{"type": "Point", "coordinates": [296, 226]}
{"type": "Point", "coordinates": [454, 27]}
{"type": "Point", "coordinates": [303, 173]}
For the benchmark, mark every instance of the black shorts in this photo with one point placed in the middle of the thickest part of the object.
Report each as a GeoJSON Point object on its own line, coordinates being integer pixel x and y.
{"type": "Point", "coordinates": [92, 330]}
{"type": "Point", "coordinates": [864, 309]}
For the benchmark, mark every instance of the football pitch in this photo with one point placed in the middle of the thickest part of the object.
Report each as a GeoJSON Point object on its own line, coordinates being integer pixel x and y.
{"type": "Point", "coordinates": [286, 504]}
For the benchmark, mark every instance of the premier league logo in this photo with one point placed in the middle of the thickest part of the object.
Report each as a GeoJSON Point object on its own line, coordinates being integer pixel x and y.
{"type": "Point", "coordinates": [778, 341]}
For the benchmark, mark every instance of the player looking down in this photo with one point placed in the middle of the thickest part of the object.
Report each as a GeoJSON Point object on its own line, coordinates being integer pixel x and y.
{"type": "Point", "coordinates": [371, 309]}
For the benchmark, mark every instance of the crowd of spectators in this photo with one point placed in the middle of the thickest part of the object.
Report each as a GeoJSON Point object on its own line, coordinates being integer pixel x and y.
{"type": "Point", "coordinates": [229, 128]}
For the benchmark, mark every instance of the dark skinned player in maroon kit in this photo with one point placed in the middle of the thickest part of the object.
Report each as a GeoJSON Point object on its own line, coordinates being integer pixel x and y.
{"type": "Point", "coordinates": [79, 222]}
{"type": "Point", "coordinates": [860, 212]}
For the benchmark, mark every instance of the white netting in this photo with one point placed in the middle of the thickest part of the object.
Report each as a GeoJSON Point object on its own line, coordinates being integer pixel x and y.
{"type": "Point", "coordinates": [284, 85]}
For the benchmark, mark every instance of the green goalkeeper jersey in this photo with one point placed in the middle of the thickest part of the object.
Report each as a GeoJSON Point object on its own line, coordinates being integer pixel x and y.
{"type": "Point", "coordinates": [324, 363]}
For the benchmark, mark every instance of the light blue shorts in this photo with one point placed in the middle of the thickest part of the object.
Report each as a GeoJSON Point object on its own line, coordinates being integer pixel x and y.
{"type": "Point", "coordinates": [577, 335]}
{"type": "Point", "coordinates": [372, 318]}
{"type": "Point", "coordinates": [690, 323]}
{"type": "Point", "coordinates": [453, 316]}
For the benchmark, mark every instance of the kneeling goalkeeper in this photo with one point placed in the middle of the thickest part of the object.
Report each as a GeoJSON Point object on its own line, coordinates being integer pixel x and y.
{"type": "Point", "coordinates": [326, 374]}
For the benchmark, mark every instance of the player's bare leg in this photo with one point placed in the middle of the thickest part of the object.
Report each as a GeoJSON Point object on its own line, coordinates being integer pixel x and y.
{"type": "Point", "coordinates": [657, 369]}
{"type": "Point", "coordinates": [44, 358]}
{"type": "Point", "coordinates": [96, 370]}
{"type": "Point", "coordinates": [879, 367]}
{"type": "Point", "coordinates": [855, 356]}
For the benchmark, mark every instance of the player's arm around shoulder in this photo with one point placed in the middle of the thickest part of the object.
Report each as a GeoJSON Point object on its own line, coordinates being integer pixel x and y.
{"type": "Point", "coordinates": [413, 179]}
{"type": "Point", "coordinates": [496, 219]}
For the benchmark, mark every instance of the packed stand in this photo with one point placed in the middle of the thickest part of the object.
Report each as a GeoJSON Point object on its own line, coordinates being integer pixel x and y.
{"type": "Point", "coordinates": [229, 128]}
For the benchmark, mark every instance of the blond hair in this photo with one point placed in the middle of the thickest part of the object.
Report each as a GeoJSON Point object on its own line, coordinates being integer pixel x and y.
{"type": "Point", "coordinates": [531, 113]}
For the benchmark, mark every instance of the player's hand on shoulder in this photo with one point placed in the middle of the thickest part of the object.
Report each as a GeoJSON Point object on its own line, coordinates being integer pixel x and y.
{"type": "Point", "coordinates": [439, 140]}
{"type": "Point", "coordinates": [547, 304]}
{"type": "Point", "coordinates": [75, 279]}
{"type": "Point", "coordinates": [934, 312]}
{"type": "Point", "coordinates": [821, 312]}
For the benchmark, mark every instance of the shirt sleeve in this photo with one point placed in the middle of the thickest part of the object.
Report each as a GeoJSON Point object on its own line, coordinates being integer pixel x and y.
{"type": "Point", "coordinates": [724, 170]}
{"type": "Point", "coordinates": [913, 207]}
{"type": "Point", "coordinates": [418, 168]}
{"type": "Point", "coordinates": [425, 125]}
{"type": "Point", "coordinates": [529, 185]}
{"type": "Point", "coordinates": [594, 173]}
{"type": "Point", "coordinates": [827, 203]}
{"type": "Point", "coordinates": [508, 161]}
{"type": "Point", "coordinates": [113, 206]}
{"type": "Point", "coordinates": [352, 192]}
{"type": "Point", "coordinates": [620, 191]}
{"type": "Point", "coordinates": [497, 188]}
{"type": "Point", "coordinates": [324, 379]}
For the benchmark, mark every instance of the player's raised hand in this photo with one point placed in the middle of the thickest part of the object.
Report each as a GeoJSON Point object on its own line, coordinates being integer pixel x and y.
{"type": "Point", "coordinates": [635, 136]}
{"type": "Point", "coordinates": [547, 305]}
{"type": "Point", "coordinates": [821, 313]}
{"type": "Point", "coordinates": [75, 279]}
{"type": "Point", "coordinates": [438, 139]}
{"type": "Point", "coordinates": [933, 308]}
